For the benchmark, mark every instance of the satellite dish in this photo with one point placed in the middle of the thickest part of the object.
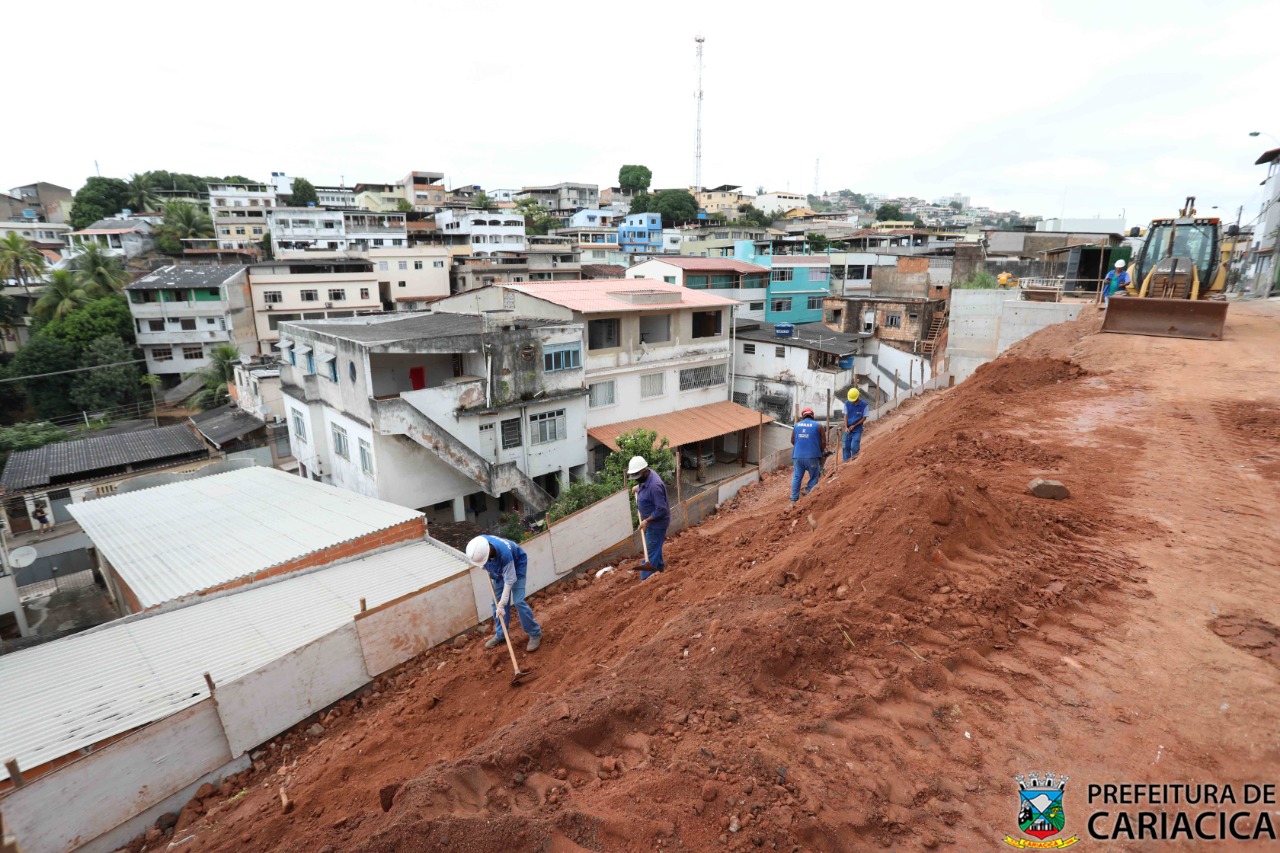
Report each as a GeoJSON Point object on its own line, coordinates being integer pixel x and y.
{"type": "Point", "coordinates": [20, 558]}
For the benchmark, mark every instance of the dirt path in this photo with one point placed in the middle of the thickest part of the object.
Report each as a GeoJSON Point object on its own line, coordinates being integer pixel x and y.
{"type": "Point", "coordinates": [872, 667]}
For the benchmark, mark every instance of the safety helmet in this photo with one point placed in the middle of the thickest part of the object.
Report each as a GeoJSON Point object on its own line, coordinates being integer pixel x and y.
{"type": "Point", "coordinates": [806, 412]}
{"type": "Point", "coordinates": [853, 395]}
{"type": "Point", "coordinates": [635, 466]}
{"type": "Point", "coordinates": [1120, 264]}
{"type": "Point", "coordinates": [478, 551]}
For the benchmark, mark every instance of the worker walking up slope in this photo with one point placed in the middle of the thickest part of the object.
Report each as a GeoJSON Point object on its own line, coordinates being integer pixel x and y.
{"type": "Point", "coordinates": [855, 416]}
{"type": "Point", "coordinates": [809, 445]}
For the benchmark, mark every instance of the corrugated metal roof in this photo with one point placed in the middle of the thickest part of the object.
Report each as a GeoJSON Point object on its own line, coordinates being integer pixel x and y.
{"type": "Point", "coordinates": [76, 691]}
{"type": "Point", "coordinates": [687, 426]}
{"type": "Point", "coordinates": [811, 336]}
{"type": "Point", "coordinates": [181, 538]}
{"type": "Point", "coordinates": [28, 468]}
{"type": "Point", "coordinates": [184, 389]}
{"type": "Point", "coordinates": [593, 296]}
{"type": "Point", "coordinates": [226, 423]}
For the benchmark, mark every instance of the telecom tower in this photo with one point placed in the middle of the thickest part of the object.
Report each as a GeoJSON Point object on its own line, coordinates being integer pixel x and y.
{"type": "Point", "coordinates": [697, 157]}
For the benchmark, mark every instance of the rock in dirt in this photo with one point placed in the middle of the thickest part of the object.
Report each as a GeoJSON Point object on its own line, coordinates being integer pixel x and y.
{"type": "Point", "coordinates": [286, 804]}
{"type": "Point", "coordinates": [709, 791]}
{"type": "Point", "coordinates": [1050, 489]}
{"type": "Point", "coordinates": [387, 796]}
{"type": "Point", "coordinates": [166, 821]}
{"type": "Point", "coordinates": [315, 730]}
{"type": "Point", "coordinates": [205, 790]}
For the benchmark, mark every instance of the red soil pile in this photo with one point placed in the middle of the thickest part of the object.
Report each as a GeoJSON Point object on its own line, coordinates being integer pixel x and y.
{"type": "Point", "coordinates": [805, 677]}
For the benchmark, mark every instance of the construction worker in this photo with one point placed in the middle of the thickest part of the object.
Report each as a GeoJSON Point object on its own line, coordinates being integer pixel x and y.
{"type": "Point", "coordinates": [1005, 279]}
{"type": "Point", "coordinates": [655, 516]}
{"type": "Point", "coordinates": [1118, 279]}
{"type": "Point", "coordinates": [809, 445]}
{"type": "Point", "coordinates": [855, 415]}
{"type": "Point", "coordinates": [506, 562]}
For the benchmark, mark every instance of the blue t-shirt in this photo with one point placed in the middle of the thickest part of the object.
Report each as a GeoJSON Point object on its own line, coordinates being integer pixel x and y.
{"type": "Point", "coordinates": [508, 562]}
{"type": "Point", "coordinates": [854, 412]}
{"type": "Point", "coordinates": [808, 439]}
{"type": "Point", "coordinates": [1117, 281]}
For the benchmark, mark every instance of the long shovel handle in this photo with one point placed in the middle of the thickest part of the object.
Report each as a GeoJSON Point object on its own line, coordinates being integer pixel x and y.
{"type": "Point", "coordinates": [643, 542]}
{"type": "Point", "coordinates": [497, 614]}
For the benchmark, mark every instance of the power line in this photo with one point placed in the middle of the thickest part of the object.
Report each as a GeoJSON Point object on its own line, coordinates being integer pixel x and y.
{"type": "Point", "coordinates": [73, 370]}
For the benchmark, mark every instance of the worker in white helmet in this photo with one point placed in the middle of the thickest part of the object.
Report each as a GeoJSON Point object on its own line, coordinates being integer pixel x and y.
{"type": "Point", "coordinates": [506, 563]}
{"type": "Point", "coordinates": [655, 516]}
{"type": "Point", "coordinates": [1118, 279]}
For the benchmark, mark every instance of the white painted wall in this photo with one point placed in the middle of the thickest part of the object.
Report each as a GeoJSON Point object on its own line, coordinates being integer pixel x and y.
{"type": "Point", "coordinates": [402, 629]}
{"type": "Point", "coordinates": [984, 323]}
{"type": "Point", "coordinates": [789, 375]}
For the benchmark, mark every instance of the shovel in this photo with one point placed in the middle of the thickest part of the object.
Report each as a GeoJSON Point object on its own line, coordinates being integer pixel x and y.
{"type": "Point", "coordinates": [506, 635]}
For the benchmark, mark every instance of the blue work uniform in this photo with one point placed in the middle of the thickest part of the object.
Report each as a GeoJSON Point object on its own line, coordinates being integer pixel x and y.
{"type": "Point", "coordinates": [651, 500]}
{"type": "Point", "coordinates": [1114, 283]}
{"type": "Point", "coordinates": [507, 567]}
{"type": "Point", "coordinates": [806, 455]}
{"type": "Point", "coordinates": [853, 412]}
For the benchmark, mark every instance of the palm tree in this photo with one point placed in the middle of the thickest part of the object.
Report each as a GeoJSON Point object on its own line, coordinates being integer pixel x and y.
{"type": "Point", "coordinates": [142, 193]}
{"type": "Point", "coordinates": [183, 221]}
{"type": "Point", "coordinates": [217, 376]}
{"type": "Point", "coordinates": [21, 257]}
{"type": "Point", "coordinates": [100, 273]}
{"type": "Point", "coordinates": [64, 293]}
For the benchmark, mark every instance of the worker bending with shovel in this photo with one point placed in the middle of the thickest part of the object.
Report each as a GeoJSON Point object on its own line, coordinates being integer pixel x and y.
{"type": "Point", "coordinates": [507, 563]}
{"type": "Point", "coordinates": [655, 515]}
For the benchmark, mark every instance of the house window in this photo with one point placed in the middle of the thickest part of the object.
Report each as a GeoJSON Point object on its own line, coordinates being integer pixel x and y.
{"type": "Point", "coordinates": [755, 306]}
{"type": "Point", "coordinates": [240, 232]}
{"type": "Point", "coordinates": [510, 433]}
{"type": "Point", "coordinates": [383, 266]}
{"type": "Point", "coordinates": [417, 265]}
{"type": "Point", "coordinates": [403, 265]}
{"type": "Point", "coordinates": [695, 281]}
{"type": "Point", "coordinates": [819, 273]}
{"type": "Point", "coordinates": [187, 324]}
{"type": "Point", "coordinates": [781, 305]}
{"type": "Point", "coordinates": [332, 366]}
{"type": "Point", "coordinates": [547, 427]}
{"type": "Point", "coordinates": [653, 385]}
{"type": "Point", "coordinates": [340, 447]}
{"type": "Point", "coordinates": [655, 329]}
{"type": "Point", "coordinates": [702, 377]}
{"type": "Point", "coordinates": [364, 293]}
{"type": "Point", "coordinates": [439, 265]}
{"type": "Point", "coordinates": [155, 325]}
{"type": "Point", "coordinates": [779, 352]}
{"type": "Point", "coordinates": [893, 321]}
{"type": "Point", "coordinates": [337, 294]}
{"type": "Point", "coordinates": [310, 296]}
{"type": "Point", "coordinates": [257, 231]}
{"type": "Point", "coordinates": [782, 274]}
{"type": "Point", "coordinates": [748, 349]}
{"type": "Point", "coordinates": [706, 324]}
{"type": "Point", "coordinates": [162, 353]}
{"type": "Point", "coordinates": [400, 284]}
{"type": "Point", "coordinates": [602, 334]}
{"type": "Point", "coordinates": [366, 457]}
{"type": "Point", "coordinates": [721, 282]}
{"type": "Point", "coordinates": [561, 357]}
{"type": "Point", "coordinates": [815, 303]}
{"type": "Point", "coordinates": [669, 279]}
{"type": "Point", "coordinates": [193, 353]}
{"type": "Point", "coordinates": [299, 426]}
{"type": "Point", "coordinates": [600, 394]}
{"type": "Point", "coordinates": [740, 397]}
{"type": "Point", "coordinates": [272, 297]}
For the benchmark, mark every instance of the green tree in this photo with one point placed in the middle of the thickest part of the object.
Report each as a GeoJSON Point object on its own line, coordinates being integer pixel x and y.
{"type": "Point", "coordinates": [955, 205]}
{"type": "Point", "coordinates": [106, 387]}
{"type": "Point", "coordinates": [180, 182]}
{"type": "Point", "coordinates": [301, 192]}
{"type": "Point", "coordinates": [888, 213]}
{"type": "Point", "coordinates": [63, 294]}
{"type": "Point", "coordinates": [640, 202]}
{"type": "Point", "coordinates": [105, 317]}
{"type": "Point", "coordinates": [9, 315]}
{"type": "Point", "coordinates": [613, 477]}
{"type": "Point", "coordinates": [635, 178]}
{"type": "Point", "coordinates": [749, 214]}
{"type": "Point", "coordinates": [483, 201]}
{"type": "Point", "coordinates": [217, 376]}
{"type": "Point", "coordinates": [818, 242]}
{"type": "Point", "coordinates": [235, 179]}
{"type": "Point", "coordinates": [403, 206]}
{"type": "Point", "coordinates": [98, 199]}
{"type": "Point", "coordinates": [977, 280]}
{"type": "Point", "coordinates": [50, 396]}
{"type": "Point", "coordinates": [20, 258]}
{"type": "Point", "coordinates": [100, 273]}
{"type": "Point", "coordinates": [537, 219]}
{"type": "Point", "coordinates": [917, 222]}
{"type": "Point", "coordinates": [142, 196]}
{"type": "Point", "coordinates": [676, 206]}
{"type": "Point", "coordinates": [182, 221]}
{"type": "Point", "coordinates": [28, 436]}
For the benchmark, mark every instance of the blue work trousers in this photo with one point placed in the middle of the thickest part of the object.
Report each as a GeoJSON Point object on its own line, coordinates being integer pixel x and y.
{"type": "Point", "coordinates": [653, 539]}
{"type": "Point", "coordinates": [852, 443]}
{"type": "Point", "coordinates": [522, 608]}
{"type": "Point", "coordinates": [812, 465]}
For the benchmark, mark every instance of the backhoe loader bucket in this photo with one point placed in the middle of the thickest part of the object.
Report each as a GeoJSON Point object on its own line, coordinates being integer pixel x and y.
{"type": "Point", "coordinates": [1197, 319]}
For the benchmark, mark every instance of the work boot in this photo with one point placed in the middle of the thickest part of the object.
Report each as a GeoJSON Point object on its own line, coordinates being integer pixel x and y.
{"type": "Point", "coordinates": [534, 642]}
{"type": "Point", "coordinates": [495, 640]}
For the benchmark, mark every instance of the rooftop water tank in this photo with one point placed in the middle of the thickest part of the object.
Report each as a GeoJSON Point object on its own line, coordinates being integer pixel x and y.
{"type": "Point", "coordinates": [784, 330]}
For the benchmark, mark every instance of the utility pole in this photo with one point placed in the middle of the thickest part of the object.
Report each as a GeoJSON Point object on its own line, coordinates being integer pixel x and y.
{"type": "Point", "coordinates": [697, 157]}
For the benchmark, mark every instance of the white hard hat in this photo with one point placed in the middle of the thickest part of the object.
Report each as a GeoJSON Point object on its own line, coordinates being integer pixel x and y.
{"type": "Point", "coordinates": [635, 466]}
{"type": "Point", "coordinates": [478, 551]}
{"type": "Point", "coordinates": [1120, 264]}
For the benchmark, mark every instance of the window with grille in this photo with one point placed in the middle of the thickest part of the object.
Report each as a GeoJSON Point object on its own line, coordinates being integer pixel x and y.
{"type": "Point", "coordinates": [546, 427]}
{"type": "Point", "coordinates": [702, 377]}
{"type": "Point", "coordinates": [748, 349]}
{"type": "Point", "coordinates": [602, 334]}
{"type": "Point", "coordinates": [272, 297]}
{"type": "Point", "coordinates": [340, 447]}
{"type": "Point", "coordinates": [193, 353]}
{"type": "Point", "coordinates": [417, 265]}
{"type": "Point", "coordinates": [310, 296]}
{"type": "Point", "coordinates": [781, 305]}
{"type": "Point", "coordinates": [785, 274]}
{"type": "Point", "coordinates": [780, 352]}
{"type": "Point", "coordinates": [162, 353]}
{"type": "Point", "coordinates": [893, 321]}
{"type": "Point", "coordinates": [299, 426]}
{"type": "Point", "coordinates": [653, 385]}
{"type": "Point", "coordinates": [815, 303]}
{"type": "Point", "coordinates": [561, 357]}
{"type": "Point", "coordinates": [740, 397]}
{"type": "Point", "coordinates": [510, 433]}
{"type": "Point", "coordinates": [366, 457]}
{"type": "Point", "coordinates": [600, 394]}
{"type": "Point", "coordinates": [337, 294]}
{"type": "Point", "coordinates": [755, 306]}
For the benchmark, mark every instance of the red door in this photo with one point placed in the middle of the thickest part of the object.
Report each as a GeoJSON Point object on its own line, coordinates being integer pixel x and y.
{"type": "Point", "coordinates": [418, 378]}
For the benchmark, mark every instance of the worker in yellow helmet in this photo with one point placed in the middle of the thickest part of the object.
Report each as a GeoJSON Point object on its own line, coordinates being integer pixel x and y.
{"type": "Point", "coordinates": [1005, 279]}
{"type": "Point", "coordinates": [855, 415]}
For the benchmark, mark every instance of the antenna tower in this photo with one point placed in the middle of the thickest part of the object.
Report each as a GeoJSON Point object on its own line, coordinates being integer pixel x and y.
{"type": "Point", "coordinates": [697, 157]}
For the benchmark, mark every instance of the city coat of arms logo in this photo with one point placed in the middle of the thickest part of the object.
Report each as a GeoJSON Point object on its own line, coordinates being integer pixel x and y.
{"type": "Point", "coordinates": [1041, 813]}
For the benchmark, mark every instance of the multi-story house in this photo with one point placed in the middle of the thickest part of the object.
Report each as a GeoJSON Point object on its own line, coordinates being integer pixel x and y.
{"type": "Point", "coordinates": [563, 199]}
{"type": "Point", "coordinates": [486, 232]}
{"type": "Point", "coordinates": [641, 232]}
{"type": "Point", "coordinates": [778, 369]}
{"type": "Point", "coordinates": [256, 389]}
{"type": "Point", "coordinates": [182, 313]}
{"type": "Point", "coordinates": [590, 218]}
{"type": "Point", "coordinates": [746, 283]}
{"type": "Point", "coordinates": [422, 191]}
{"type": "Point", "coordinates": [45, 235]}
{"type": "Point", "coordinates": [717, 241]}
{"type": "Point", "coordinates": [597, 244]}
{"type": "Point", "coordinates": [464, 416]}
{"type": "Point", "coordinates": [722, 201]}
{"type": "Point", "coordinates": [288, 290]}
{"type": "Point", "coordinates": [48, 202]}
{"type": "Point", "coordinates": [379, 197]}
{"type": "Point", "coordinates": [780, 201]}
{"type": "Point", "coordinates": [338, 197]}
{"type": "Point", "coordinates": [797, 286]}
{"type": "Point", "coordinates": [547, 262]}
{"type": "Point", "coordinates": [239, 213]}
{"type": "Point", "coordinates": [121, 237]}
{"type": "Point", "coordinates": [315, 229]}
{"type": "Point", "coordinates": [408, 275]}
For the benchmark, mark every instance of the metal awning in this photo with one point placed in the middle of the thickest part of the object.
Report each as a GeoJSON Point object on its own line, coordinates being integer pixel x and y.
{"type": "Point", "coordinates": [283, 344]}
{"type": "Point", "coordinates": [323, 357]}
{"type": "Point", "coordinates": [303, 350]}
{"type": "Point", "coordinates": [688, 426]}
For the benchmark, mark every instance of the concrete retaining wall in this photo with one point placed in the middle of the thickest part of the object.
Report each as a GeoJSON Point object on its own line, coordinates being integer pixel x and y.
{"type": "Point", "coordinates": [984, 323]}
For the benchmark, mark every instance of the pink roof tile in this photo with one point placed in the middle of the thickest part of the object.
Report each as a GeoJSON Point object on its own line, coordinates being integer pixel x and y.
{"type": "Point", "coordinates": [710, 264]}
{"type": "Point", "coordinates": [593, 296]}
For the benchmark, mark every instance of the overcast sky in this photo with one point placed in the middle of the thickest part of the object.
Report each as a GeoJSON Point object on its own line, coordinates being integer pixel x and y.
{"type": "Point", "coordinates": [1087, 108]}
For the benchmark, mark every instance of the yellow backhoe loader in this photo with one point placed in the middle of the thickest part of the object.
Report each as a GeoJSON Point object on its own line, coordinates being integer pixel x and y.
{"type": "Point", "coordinates": [1176, 282]}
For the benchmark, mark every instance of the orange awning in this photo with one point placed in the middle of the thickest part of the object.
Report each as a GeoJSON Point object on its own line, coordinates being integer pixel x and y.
{"type": "Point", "coordinates": [688, 426]}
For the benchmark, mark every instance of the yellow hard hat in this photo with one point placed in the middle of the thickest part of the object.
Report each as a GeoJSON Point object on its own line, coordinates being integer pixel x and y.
{"type": "Point", "coordinates": [853, 395]}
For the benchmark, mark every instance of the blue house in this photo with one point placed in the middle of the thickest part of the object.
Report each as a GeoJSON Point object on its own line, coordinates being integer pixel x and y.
{"type": "Point", "coordinates": [641, 232]}
{"type": "Point", "coordinates": [797, 286]}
